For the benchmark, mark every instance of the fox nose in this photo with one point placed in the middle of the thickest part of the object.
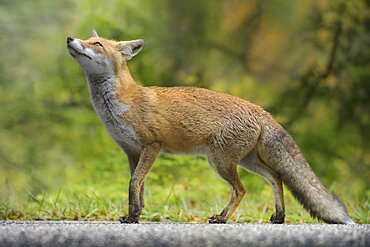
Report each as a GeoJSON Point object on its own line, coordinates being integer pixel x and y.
{"type": "Point", "coordinates": [69, 39]}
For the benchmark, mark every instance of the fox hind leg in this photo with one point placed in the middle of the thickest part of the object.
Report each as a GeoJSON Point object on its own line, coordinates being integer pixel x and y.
{"type": "Point", "coordinates": [229, 173]}
{"type": "Point", "coordinates": [253, 163]}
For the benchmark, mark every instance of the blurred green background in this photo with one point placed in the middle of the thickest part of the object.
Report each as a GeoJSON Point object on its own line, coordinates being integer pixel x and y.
{"type": "Point", "coordinates": [306, 62]}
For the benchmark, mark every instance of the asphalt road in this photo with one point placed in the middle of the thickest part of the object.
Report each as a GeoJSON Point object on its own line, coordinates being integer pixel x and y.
{"type": "Point", "coordinates": [78, 233]}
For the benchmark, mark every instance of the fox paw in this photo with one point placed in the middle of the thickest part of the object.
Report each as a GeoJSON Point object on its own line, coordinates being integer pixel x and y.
{"type": "Point", "coordinates": [217, 219]}
{"type": "Point", "coordinates": [127, 219]}
{"type": "Point", "coordinates": [277, 218]}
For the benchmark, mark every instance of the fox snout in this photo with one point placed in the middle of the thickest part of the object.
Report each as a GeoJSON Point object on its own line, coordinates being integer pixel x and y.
{"type": "Point", "coordinates": [72, 44]}
{"type": "Point", "coordinates": [78, 50]}
{"type": "Point", "coordinates": [86, 53]}
{"type": "Point", "coordinates": [69, 39]}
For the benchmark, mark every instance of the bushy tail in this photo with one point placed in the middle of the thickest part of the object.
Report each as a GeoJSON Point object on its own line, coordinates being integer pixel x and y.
{"type": "Point", "coordinates": [282, 154]}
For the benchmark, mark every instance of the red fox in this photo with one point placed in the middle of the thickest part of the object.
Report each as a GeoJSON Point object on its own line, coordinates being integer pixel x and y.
{"type": "Point", "coordinates": [145, 121]}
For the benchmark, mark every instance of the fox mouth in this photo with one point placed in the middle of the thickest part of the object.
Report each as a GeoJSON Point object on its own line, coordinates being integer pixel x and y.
{"type": "Point", "coordinates": [76, 53]}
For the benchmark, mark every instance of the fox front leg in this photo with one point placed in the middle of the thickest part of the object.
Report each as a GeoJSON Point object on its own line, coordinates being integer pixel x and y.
{"type": "Point", "coordinates": [133, 159]}
{"type": "Point", "coordinates": [147, 158]}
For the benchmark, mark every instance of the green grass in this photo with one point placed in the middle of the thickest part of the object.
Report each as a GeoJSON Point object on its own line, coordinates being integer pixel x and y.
{"type": "Point", "coordinates": [178, 189]}
{"type": "Point", "coordinates": [175, 207]}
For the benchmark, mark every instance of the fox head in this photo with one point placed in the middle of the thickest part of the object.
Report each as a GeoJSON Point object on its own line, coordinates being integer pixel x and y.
{"type": "Point", "coordinates": [97, 55]}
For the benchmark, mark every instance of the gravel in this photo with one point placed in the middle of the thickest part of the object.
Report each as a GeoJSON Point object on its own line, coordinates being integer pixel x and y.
{"type": "Point", "coordinates": [80, 233]}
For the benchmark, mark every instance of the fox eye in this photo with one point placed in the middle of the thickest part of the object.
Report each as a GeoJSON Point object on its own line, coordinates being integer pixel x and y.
{"type": "Point", "coordinates": [98, 44]}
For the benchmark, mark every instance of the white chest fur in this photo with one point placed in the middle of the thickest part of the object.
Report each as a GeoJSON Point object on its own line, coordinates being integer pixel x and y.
{"type": "Point", "coordinates": [111, 111]}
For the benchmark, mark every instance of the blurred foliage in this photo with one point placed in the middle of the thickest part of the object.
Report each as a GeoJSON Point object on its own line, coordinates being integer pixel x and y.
{"type": "Point", "coordinates": [307, 62]}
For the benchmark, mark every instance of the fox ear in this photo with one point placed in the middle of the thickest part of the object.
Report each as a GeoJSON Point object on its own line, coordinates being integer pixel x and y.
{"type": "Point", "coordinates": [94, 34]}
{"type": "Point", "coordinates": [129, 49]}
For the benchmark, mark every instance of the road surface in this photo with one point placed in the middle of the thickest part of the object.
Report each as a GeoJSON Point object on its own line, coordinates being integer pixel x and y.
{"type": "Point", "coordinates": [79, 233]}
